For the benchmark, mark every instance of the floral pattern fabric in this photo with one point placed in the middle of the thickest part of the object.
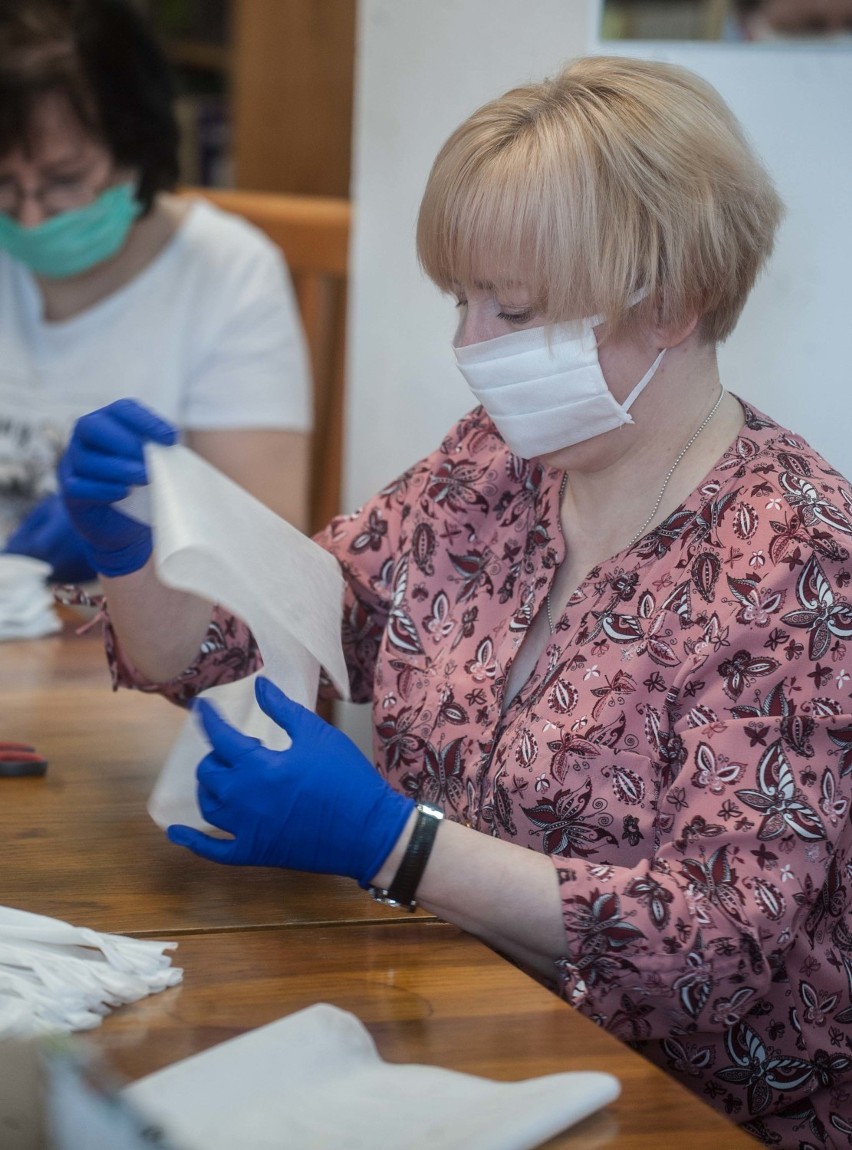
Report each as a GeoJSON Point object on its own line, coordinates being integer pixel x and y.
{"type": "Point", "coordinates": [682, 750]}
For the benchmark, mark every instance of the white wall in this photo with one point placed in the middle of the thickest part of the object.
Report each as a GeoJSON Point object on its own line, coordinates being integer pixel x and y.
{"type": "Point", "coordinates": [791, 353]}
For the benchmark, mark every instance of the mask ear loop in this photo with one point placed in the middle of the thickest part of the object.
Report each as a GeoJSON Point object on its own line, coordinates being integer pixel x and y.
{"type": "Point", "coordinates": [644, 381]}
{"type": "Point", "coordinates": [632, 300]}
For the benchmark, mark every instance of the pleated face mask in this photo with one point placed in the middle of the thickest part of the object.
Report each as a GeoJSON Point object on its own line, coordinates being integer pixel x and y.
{"type": "Point", "coordinates": [74, 241]}
{"type": "Point", "coordinates": [544, 387]}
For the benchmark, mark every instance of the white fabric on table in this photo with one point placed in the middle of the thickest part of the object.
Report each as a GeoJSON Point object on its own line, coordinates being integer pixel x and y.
{"type": "Point", "coordinates": [26, 603]}
{"type": "Point", "coordinates": [314, 1080]}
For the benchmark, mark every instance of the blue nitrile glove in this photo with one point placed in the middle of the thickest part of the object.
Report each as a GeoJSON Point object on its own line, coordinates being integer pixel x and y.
{"type": "Point", "coordinates": [48, 534]}
{"type": "Point", "coordinates": [104, 460]}
{"type": "Point", "coordinates": [318, 806]}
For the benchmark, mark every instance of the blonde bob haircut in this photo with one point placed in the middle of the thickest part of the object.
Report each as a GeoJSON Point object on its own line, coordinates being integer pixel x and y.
{"type": "Point", "coordinates": [616, 177]}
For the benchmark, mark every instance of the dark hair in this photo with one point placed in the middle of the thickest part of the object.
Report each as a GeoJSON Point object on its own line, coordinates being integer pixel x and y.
{"type": "Point", "coordinates": [101, 56]}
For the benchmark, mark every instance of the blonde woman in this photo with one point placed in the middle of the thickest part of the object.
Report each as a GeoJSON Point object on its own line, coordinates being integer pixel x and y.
{"type": "Point", "coordinates": [599, 626]}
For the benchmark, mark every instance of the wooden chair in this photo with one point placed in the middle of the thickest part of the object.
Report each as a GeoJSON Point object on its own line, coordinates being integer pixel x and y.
{"type": "Point", "coordinates": [313, 234]}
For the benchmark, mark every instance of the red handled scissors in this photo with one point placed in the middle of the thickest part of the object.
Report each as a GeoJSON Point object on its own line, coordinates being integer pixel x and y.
{"type": "Point", "coordinates": [18, 759]}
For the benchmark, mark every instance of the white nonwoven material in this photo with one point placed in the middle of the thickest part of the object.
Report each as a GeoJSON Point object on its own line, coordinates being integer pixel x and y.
{"type": "Point", "coordinates": [212, 538]}
{"type": "Point", "coordinates": [26, 603]}
{"type": "Point", "coordinates": [314, 1080]}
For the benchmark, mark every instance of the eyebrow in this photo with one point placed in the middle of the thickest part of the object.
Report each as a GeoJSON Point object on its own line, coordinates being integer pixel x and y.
{"type": "Point", "coordinates": [63, 164]}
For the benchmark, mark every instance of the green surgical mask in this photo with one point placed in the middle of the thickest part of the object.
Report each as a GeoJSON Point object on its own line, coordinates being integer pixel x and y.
{"type": "Point", "coordinates": [71, 243]}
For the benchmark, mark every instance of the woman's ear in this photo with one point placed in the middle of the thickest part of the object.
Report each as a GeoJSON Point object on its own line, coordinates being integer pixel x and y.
{"type": "Point", "coordinates": [676, 333]}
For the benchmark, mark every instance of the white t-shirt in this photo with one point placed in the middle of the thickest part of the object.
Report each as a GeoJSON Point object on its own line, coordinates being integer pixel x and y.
{"type": "Point", "coordinates": [208, 336]}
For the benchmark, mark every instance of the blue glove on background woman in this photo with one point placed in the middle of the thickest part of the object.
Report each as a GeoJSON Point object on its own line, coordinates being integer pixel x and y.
{"type": "Point", "coordinates": [318, 806]}
{"type": "Point", "coordinates": [104, 459]}
{"type": "Point", "coordinates": [48, 534]}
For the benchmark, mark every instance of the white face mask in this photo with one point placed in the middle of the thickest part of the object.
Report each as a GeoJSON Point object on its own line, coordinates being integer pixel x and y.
{"type": "Point", "coordinates": [544, 387]}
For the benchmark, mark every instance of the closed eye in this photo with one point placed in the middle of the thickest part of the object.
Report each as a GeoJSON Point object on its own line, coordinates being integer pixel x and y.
{"type": "Point", "coordinates": [517, 317]}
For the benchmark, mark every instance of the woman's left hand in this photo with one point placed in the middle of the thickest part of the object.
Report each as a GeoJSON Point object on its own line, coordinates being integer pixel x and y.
{"type": "Point", "coordinates": [318, 806]}
{"type": "Point", "coordinates": [48, 534]}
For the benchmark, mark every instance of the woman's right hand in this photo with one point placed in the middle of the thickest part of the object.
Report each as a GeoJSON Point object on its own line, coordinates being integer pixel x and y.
{"type": "Point", "coordinates": [104, 459]}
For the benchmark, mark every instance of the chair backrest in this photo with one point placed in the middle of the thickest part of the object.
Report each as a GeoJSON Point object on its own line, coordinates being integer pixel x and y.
{"type": "Point", "coordinates": [313, 234]}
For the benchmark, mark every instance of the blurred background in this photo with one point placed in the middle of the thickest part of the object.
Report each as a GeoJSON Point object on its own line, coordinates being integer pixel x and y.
{"type": "Point", "coordinates": [265, 91]}
{"type": "Point", "coordinates": [730, 20]}
{"type": "Point", "coordinates": [244, 67]}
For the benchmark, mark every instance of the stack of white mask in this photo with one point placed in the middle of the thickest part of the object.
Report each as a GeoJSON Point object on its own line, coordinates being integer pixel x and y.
{"type": "Point", "coordinates": [26, 603]}
{"type": "Point", "coordinates": [58, 977]}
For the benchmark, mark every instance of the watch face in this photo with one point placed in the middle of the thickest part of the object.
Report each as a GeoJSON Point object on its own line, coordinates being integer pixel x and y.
{"type": "Point", "coordinates": [385, 899]}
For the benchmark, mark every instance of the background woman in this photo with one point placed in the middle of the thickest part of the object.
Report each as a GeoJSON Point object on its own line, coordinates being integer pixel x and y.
{"type": "Point", "coordinates": [602, 627]}
{"type": "Point", "coordinates": [112, 286]}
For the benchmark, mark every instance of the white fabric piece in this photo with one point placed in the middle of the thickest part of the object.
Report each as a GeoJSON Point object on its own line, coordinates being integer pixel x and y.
{"type": "Point", "coordinates": [213, 538]}
{"type": "Point", "coordinates": [58, 977]}
{"type": "Point", "coordinates": [315, 1080]}
{"type": "Point", "coordinates": [26, 603]}
{"type": "Point", "coordinates": [208, 336]}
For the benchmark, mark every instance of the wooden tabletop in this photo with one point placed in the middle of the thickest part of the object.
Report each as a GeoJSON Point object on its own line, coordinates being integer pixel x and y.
{"type": "Point", "coordinates": [259, 944]}
{"type": "Point", "coordinates": [428, 993]}
{"type": "Point", "coordinates": [79, 841]}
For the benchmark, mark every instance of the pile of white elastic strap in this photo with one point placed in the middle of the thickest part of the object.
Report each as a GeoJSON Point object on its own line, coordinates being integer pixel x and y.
{"type": "Point", "coordinates": [58, 977]}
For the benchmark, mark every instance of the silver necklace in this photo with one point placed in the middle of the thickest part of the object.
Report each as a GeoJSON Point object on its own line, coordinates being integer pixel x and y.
{"type": "Point", "coordinates": [656, 506]}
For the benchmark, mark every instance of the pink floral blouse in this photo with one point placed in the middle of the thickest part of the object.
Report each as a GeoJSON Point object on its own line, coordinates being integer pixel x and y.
{"type": "Point", "coordinates": [682, 751]}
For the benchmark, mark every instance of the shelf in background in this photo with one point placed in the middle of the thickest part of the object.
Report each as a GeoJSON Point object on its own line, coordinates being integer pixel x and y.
{"type": "Point", "coordinates": [264, 91]}
{"type": "Point", "coordinates": [201, 54]}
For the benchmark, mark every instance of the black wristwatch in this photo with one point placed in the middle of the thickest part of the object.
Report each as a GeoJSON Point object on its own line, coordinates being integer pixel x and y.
{"type": "Point", "coordinates": [405, 882]}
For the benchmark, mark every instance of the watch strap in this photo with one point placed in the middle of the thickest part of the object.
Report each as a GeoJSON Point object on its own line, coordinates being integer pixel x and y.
{"type": "Point", "coordinates": [403, 888]}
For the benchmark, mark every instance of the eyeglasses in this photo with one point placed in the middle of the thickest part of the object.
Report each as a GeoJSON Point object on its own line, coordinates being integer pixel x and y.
{"type": "Point", "coordinates": [63, 194]}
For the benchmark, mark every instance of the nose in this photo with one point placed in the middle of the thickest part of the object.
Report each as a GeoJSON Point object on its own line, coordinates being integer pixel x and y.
{"type": "Point", "coordinates": [30, 213]}
{"type": "Point", "coordinates": [472, 327]}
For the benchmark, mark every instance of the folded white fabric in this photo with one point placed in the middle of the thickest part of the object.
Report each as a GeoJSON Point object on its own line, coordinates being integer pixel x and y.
{"type": "Point", "coordinates": [26, 603]}
{"type": "Point", "coordinates": [315, 1079]}
{"type": "Point", "coordinates": [58, 977]}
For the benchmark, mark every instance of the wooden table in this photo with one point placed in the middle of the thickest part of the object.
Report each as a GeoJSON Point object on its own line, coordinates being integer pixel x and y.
{"type": "Point", "coordinates": [428, 993]}
{"type": "Point", "coordinates": [78, 844]}
{"type": "Point", "coordinates": [255, 944]}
